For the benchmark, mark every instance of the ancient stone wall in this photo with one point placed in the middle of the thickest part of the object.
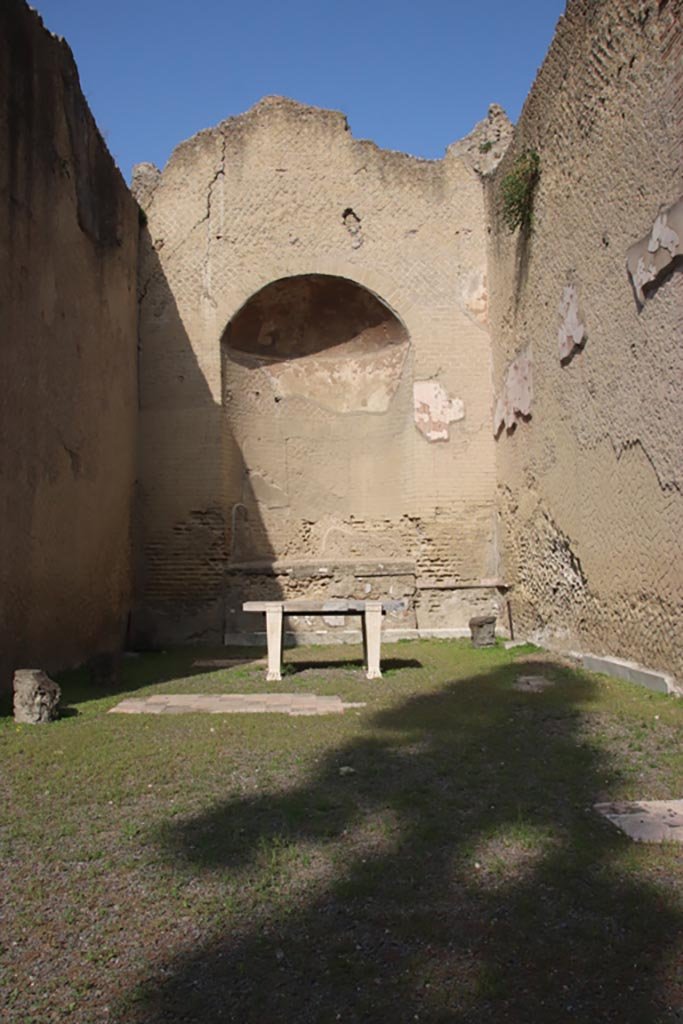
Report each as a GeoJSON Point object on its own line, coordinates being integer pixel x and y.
{"type": "Point", "coordinates": [315, 378]}
{"type": "Point", "coordinates": [588, 351]}
{"type": "Point", "coordinates": [68, 241]}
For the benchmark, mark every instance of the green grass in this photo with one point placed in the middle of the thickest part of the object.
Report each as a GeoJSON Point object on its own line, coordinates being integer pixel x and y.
{"type": "Point", "coordinates": [221, 868]}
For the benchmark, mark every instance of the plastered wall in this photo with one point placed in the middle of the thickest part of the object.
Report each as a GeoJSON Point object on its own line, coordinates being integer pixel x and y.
{"type": "Point", "coordinates": [68, 240]}
{"type": "Point", "coordinates": [588, 351]}
{"type": "Point", "coordinates": [315, 377]}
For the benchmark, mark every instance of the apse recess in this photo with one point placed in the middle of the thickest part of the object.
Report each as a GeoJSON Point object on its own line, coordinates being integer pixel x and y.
{"type": "Point", "coordinates": [323, 338]}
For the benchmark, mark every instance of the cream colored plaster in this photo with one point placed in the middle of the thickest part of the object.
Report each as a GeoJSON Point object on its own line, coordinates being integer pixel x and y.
{"type": "Point", "coordinates": [237, 208]}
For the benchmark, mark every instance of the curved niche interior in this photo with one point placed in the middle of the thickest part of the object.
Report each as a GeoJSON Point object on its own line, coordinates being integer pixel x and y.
{"type": "Point", "coordinates": [323, 338]}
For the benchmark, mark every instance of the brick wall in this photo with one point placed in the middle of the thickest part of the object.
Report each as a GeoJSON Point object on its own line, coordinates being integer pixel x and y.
{"type": "Point", "coordinates": [284, 458]}
{"type": "Point", "coordinates": [590, 485]}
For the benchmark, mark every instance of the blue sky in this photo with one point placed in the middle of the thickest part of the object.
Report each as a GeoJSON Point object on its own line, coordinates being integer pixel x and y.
{"type": "Point", "coordinates": [413, 76]}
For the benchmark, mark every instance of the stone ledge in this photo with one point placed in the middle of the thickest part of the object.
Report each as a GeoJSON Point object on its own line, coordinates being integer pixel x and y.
{"type": "Point", "coordinates": [322, 568]}
{"type": "Point", "coordinates": [618, 668]}
{"type": "Point", "coordinates": [346, 636]}
{"type": "Point", "coordinates": [450, 583]}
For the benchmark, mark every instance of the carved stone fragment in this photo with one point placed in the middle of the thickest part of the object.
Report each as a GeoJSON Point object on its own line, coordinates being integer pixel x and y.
{"type": "Point", "coordinates": [572, 332]}
{"type": "Point", "coordinates": [516, 395]}
{"type": "Point", "coordinates": [650, 259]}
{"type": "Point", "coordinates": [36, 696]}
{"type": "Point", "coordinates": [483, 630]}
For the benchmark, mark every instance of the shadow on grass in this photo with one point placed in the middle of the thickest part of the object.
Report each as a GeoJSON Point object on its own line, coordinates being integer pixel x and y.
{"type": "Point", "coordinates": [151, 669]}
{"type": "Point", "coordinates": [137, 672]}
{"type": "Point", "coordinates": [294, 666]}
{"type": "Point", "coordinates": [467, 879]}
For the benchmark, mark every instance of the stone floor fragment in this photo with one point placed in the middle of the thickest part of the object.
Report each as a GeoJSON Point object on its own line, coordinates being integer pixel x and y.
{"type": "Point", "coordinates": [532, 684]}
{"type": "Point", "coordinates": [647, 821]}
{"type": "Point", "coordinates": [233, 703]}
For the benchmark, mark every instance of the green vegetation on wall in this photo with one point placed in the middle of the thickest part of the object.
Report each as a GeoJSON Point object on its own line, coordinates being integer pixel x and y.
{"type": "Point", "coordinates": [517, 190]}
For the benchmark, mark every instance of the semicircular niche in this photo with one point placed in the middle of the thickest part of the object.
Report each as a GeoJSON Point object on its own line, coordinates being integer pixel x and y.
{"type": "Point", "coordinates": [323, 338]}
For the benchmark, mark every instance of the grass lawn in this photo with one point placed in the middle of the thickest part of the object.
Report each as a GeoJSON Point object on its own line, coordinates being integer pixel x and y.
{"type": "Point", "coordinates": [198, 868]}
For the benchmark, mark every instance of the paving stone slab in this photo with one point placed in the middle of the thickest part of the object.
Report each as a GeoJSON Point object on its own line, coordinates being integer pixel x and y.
{"type": "Point", "coordinates": [232, 703]}
{"type": "Point", "coordinates": [646, 821]}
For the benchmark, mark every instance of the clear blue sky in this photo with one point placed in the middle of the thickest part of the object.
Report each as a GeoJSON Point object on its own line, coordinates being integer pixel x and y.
{"type": "Point", "coordinates": [413, 75]}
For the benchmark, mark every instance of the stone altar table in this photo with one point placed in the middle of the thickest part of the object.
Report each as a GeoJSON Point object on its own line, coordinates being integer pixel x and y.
{"type": "Point", "coordinates": [369, 611]}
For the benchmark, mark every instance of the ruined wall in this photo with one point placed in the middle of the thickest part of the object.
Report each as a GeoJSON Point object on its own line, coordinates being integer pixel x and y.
{"type": "Point", "coordinates": [588, 362]}
{"type": "Point", "coordinates": [315, 378]}
{"type": "Point", "coordinates": [68, 240]}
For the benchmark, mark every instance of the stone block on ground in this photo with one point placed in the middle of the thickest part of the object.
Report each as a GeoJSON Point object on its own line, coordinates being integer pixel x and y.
{"type": "Point", "coordinates": [483, 630]}
{"type": "Point", "coordinates": [646, 821]}
{"type": "Point", "coordinates": [36, 696]}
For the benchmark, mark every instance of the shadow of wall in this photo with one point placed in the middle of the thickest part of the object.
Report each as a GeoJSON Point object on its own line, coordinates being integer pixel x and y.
{"type": "Point", "coordinates": [189, 466]}
{"type": "Point", "coordinates": [456, 877]}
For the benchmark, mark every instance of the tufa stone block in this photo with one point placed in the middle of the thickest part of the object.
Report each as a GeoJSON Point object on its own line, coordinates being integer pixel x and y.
{"type": "Point", "coordinates": [36, 696]}
{"type": "Point", "coordinates": [483, 630]}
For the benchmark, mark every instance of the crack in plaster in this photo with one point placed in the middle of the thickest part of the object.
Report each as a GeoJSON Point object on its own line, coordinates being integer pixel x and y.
{"type": "Point", "coordinates": [628, 445]}
{"type": "Point", "coordinates": [219, 173]}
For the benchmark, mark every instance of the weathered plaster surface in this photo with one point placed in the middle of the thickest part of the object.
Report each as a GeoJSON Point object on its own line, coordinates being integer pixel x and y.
{"type": "Point", "coordinates": [516, 395]}
{"type": "Point", "coordinates": [291, 296]}
{"type": "Point", "coordinates": [485, 146]}
{"type": "Point", "coordinates": [653, 256]}
{"type": "Point", "coordinates": [68, 245]}
{"type": "Point", "coordinates": [435, 410]}
{"type": "Point", "coordinates": [590, 489]}
{"type": "Point", "coordinates": [321, 338]}
{"type": "Point", "coordinates": [572, 331]}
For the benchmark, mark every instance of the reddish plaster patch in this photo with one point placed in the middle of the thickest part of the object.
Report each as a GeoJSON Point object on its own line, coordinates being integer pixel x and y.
{"type": "Point", "coordinates": [435, 409]}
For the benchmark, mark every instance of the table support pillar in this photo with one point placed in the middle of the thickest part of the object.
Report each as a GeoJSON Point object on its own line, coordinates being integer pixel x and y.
{"type": "Point", "coordinates": [372, 633]}
{"type": "Point", "coordinates": [274, 634]}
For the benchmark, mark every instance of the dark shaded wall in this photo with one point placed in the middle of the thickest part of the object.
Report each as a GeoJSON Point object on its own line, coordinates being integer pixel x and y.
{"type": "Point", "coordinates": [68, 404]}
